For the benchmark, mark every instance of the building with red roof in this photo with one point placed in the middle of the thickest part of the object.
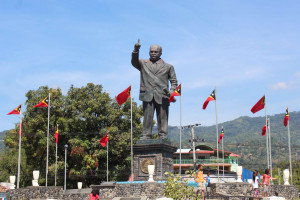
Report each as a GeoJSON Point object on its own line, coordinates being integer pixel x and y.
{"type": "Point", "coordinates": [206, 156]}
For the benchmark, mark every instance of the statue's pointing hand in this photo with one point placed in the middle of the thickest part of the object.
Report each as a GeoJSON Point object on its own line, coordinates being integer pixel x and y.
{"type": "Point", "coordinates": [137, 46]}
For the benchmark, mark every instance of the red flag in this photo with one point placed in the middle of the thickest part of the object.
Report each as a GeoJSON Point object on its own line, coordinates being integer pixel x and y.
{"type": "Point", "coordinates": [43, 103]}
{"type": "Point", "coordinates": [56, 135]}
{"type": "Point", "coordinates": [212, 97]}
{"type": "Point", "coordinates": [123, 96]}
{"type": "Point", "coordinates": [263, 130]}
{"type": "Point", "coordinates": [177, 92]}
{"type": "Point", "coordinates": [259, 105]}
{"type": "Point", "coordinates": [286, 117]}
{"type": "Point", "coordinates": [104, 140]}
{"type": "Point", "coordinates": [16, 111]}
{"type": "Point", "coordinates": [221, 135]}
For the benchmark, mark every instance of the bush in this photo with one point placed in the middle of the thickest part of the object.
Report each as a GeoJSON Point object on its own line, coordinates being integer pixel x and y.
{"type": "Point", "coordinates": [178, 189]}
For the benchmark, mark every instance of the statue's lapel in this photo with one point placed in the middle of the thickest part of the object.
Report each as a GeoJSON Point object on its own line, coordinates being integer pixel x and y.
{"type": "Point", "coordinates": [147, 63]}
{"type": "Point", "coordinates": [161, 67]}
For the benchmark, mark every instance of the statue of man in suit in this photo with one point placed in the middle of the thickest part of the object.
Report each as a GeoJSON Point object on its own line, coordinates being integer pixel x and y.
{"type": "Point", "coordinates": [155, 75]}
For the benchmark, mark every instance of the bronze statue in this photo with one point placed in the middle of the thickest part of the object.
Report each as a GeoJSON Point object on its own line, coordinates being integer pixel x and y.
{"type": "Point", "coordinates": [154, 89]}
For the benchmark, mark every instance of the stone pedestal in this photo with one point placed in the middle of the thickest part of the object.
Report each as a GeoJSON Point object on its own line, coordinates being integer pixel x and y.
{"type": "Point", "coordinates": [152, 152]}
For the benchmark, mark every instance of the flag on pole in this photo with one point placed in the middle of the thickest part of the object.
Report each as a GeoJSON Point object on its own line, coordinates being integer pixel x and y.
{"type": "Point", "coordinates": [104, 140]}
{"type": "Point", "coordinates": [212, 97]}
{"type": "Point", "coordinates": [177, 92]}
{"type": "Point", "coordinates": [221, 135]}
{"type": "Point", "coordinates": [286, 118]}
{"type": "Point", "coordinates": [263, 130]}
{"type": "Point", "coordinates": [259, 105]}
{"type": "Point", "coordinates": [43, 103]}
{"type": "Point", "coordinates": [56, 135]}
{"type": "Point", "coordinates": [15, 111]}
{"type": "Point", "coordinates": [123, 96]}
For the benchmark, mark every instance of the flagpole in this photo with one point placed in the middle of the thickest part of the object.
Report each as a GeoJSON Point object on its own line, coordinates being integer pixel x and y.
{"type": "Point", "coordinates": [19, 157]}
{"type": "Point", "coordinates": [48, 141]}
{"type": "Point", "coordinates": [131, 135]}
{"type": "Point", "coordinates": [107, 161]}
{"type": "Point", "coordinates": [180, 133]}
{"type": "Point", "coordinates": [217, 133]}
{"type": "Point", "coordinates": [270, 154]}
{"type": "Point", "coordinates": [223, 156]}
{"type": "Point", "coordinates": [267, 127]}
{"type": "Point", "coordinates": [290, 154]}
{"type": "Point", "coordinates": [56, 157]}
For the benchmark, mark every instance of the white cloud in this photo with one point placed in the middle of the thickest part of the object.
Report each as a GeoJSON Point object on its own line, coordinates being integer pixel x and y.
{"type": "Point", "coordinates": [280, 86]}
{"type": "Point", "coordinates": [297, 74]}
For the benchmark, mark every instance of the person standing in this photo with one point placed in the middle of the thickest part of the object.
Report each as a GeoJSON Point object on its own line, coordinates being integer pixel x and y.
{"type": "Point", "coordinates": [155, 75]}
{"type": "Point", "coordinates": [255, 182]}
{"type": "Point", "coordinates": [208, 179]}
{"type": "Point", "coordinates": [200, 180]}
{"type": "Point", "coordinates": [94, 195]}
{"type": "Point", "coordinates": [266, 183]}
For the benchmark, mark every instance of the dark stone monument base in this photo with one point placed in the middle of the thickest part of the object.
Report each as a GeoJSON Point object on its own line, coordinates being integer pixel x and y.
{"type": "Point", "coordinates": [152, 152]}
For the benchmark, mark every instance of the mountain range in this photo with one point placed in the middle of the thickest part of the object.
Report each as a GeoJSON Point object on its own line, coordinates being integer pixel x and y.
{"type": "Point", "coordinates": [243, 136]}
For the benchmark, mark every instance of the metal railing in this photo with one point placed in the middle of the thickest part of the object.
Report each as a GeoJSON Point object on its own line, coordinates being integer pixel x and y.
{"type": "Point", "coordinates": [203, 161]}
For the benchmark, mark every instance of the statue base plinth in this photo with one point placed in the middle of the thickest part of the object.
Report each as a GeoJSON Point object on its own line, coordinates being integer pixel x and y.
{"type": "Point", "coordinates": [152, 152]}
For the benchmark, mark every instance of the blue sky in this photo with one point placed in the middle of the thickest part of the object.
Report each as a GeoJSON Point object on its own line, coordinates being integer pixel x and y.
{"type": "Point", "coordinates": [244, 48]}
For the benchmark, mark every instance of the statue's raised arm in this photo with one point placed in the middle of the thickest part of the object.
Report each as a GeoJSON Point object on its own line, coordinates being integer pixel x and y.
{"type": "Point", "coordinates": [135, 55]}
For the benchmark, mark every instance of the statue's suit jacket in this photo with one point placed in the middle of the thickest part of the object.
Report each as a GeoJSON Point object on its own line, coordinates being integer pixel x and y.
{"type": "Point", "coordinates": [155, 84]}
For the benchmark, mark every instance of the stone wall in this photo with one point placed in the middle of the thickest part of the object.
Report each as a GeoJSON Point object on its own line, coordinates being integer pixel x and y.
{"type": "Point", "coordinates": [243, 189]}
{"type": "Point", "coordinates": [34, 193]}
{"type": "Point", "coordinates": [31, 193]}
{"type": "Point", "coordinates": [148, 190]}
{"type": "Point", "coordinates": [145, 190]}
{"type": "Point", "coordinates": [151, 190]}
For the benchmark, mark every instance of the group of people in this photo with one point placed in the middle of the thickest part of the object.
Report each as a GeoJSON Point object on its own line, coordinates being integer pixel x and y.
{"type": "Point", "coordinates": [265, 183]}
{"type": "Point", "coordinates": [204, 182]}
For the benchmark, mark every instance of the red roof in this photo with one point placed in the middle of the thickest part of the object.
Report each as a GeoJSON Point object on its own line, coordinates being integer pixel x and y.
{"type": "Point", "coordinates": [210, 152]}
{"type": "Point", "coordinates": [203, 152]}
{"type": "Point", "coordinates": [197, 152]}
{"type": "Point", "coordinates": [224, 151]}
{"type": "Point", "coordinates": [235, 155]}
{"type": "Point", "coordinates": [230, 153]}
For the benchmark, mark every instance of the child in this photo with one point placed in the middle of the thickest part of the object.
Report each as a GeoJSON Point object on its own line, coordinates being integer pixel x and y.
{"type": "Point", "coordinates": [266, 183]}
{"type": "Point", "coordinates": [208, 179]}
{"type": "Point", "coordinates": [255, 182]}
{"type": "Point", "coordinates": [94, 195]}
{"type": "Point", "coordinates": [200, 180]}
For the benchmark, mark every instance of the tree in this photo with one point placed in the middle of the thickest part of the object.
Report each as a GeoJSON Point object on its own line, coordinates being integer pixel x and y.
{"type": "Point", "coordinates": [83, 115]}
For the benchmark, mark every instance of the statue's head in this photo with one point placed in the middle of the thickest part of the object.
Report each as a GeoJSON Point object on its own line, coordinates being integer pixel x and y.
{"type": "Point", "coordinates": [155, 52]}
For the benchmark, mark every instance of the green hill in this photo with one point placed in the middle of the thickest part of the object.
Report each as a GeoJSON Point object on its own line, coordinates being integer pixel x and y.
{"type": "Point", "coordinates": [243, 137]}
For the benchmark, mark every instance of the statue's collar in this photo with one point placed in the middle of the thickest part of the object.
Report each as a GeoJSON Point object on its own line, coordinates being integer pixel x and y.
{"type": "Point", "coordinates": [159, 61]}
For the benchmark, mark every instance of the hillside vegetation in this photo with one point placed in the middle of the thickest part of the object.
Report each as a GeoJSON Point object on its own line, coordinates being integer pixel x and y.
{"type": "Point", "coordinates": [243, 137]}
